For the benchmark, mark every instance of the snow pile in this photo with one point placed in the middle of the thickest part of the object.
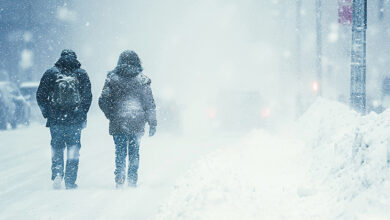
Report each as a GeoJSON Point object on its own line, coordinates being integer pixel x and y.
{"type": "Point", "coordinates": [230, 184]}
{"type": "Point", "coordinates": [334, 167]}
{"type": "Point", "coordinates": [349, 158]}
{"type": "Point", "coordinates": [261, 178]}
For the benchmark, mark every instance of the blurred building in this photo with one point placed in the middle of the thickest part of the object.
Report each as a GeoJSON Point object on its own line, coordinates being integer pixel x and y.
{"type": "Point", "coordinates": [31, 33]}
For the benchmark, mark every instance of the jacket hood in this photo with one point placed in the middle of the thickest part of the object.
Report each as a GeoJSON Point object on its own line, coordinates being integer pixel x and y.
{"type": "Point", "coordinates": [129, 57]}
{"type": "Point", "coordinates": [127, 70]}
{"type": "Point", "coordinates": [68, 61]}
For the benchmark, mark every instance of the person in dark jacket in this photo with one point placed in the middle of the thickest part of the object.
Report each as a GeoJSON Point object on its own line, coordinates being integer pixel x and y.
{"type": "Point", "coordinates": [64, 97]}
{"type": "Point", "coordinates": [128, 104]}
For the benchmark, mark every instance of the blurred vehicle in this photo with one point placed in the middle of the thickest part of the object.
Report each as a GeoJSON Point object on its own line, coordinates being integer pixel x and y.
{"type": "Point", "coordinates": [14, 109]}
{"type": "Point", "coordinates": [29, 91]}
{"type": "Point", "coordinates": [168, 116]}
{"type": "Point", "coordinates": [236, 111]}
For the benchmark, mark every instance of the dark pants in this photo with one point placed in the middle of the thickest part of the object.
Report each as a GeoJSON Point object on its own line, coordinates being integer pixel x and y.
{"type": "Point", "coordinates": [65, 136]}
{"type": "Point", "coordinates": [126, 145]}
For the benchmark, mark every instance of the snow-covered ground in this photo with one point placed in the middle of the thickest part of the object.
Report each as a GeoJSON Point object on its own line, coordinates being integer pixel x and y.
{"type": "Point", "coordinates": [26, 190]}
{"type": "Point", "coordinates": [330, 164]}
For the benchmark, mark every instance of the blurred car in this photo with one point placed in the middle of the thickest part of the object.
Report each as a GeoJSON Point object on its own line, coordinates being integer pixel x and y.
{"type": "Point", "coordinates": [14, 109]}
{"type": "Point", "coordinates": [29, 91]}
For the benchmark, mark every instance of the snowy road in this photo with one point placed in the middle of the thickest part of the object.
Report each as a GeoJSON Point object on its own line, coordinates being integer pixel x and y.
{"type": "Point", "coordinates": [26, 191]}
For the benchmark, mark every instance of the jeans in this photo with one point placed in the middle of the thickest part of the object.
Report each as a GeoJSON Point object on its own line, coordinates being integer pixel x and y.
{"type": "Point", "coordinates": [65, 136]}
{"type": "Point", "coordinates": [126, 145]}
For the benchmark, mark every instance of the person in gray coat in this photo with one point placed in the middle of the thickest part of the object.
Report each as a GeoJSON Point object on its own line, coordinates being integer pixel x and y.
{"type": "Point", "coordinates": [127, 102]}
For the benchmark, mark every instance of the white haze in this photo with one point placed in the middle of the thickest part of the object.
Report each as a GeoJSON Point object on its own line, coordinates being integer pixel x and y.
{"type": "Point", "coordinates": [194, 51]}
{"type": "Point", "coordinates": [197, 53]}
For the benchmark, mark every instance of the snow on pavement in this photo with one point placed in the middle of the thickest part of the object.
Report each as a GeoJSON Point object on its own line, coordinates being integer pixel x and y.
{"type": "Point", "coordinates": [263, 177]}
{"type": "Point", "coordinates": [331, 164]}
{"type": "Point", "coordinates": [26, 190]}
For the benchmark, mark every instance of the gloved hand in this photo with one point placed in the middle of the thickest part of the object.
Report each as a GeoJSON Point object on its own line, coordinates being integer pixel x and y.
{"type": "Point", "coordinates": [152, 130]}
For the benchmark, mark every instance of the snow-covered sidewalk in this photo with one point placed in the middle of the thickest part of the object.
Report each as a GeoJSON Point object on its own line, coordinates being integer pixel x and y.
{"type": "Point", "coordinates": [331, 164]}
{"type": "Point", "coordinates": [261, 178]}
{"type": "Point", "coordinates": [26, 191]}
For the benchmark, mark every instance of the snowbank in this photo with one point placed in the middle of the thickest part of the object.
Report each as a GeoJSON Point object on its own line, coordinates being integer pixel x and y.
{"type": "Point", "coordinates": [349, 155]}
{"type": "Point", "coordinates": [244, 181]}
{"type": "Point", "coordinates": [334, 166]}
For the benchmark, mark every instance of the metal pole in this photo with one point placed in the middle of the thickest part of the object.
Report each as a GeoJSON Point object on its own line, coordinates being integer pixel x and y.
{"type": "Point", "coordinates": [358, 56]}
{"type": "Point", "coordinates": [319, 45]}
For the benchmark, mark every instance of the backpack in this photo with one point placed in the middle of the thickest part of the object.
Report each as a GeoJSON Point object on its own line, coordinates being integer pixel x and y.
{"type": "Point", "coordinates": [66, 94]}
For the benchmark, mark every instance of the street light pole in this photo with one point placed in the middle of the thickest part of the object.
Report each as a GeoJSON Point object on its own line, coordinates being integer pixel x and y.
{"type": "Point", "coordinates": [358, 56]}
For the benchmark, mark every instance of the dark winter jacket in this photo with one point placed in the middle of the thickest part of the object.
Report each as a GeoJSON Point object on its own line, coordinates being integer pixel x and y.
{"type": "Point", "coordinates": [67, 64]}
{"type": "Point", "coordinates": [127, 99]}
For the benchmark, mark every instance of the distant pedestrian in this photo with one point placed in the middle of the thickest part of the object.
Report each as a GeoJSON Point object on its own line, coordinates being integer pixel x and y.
{"type": "Point", "coordinates": [64, 97]}
{"type": "Point", "coordinates": [128, 103]}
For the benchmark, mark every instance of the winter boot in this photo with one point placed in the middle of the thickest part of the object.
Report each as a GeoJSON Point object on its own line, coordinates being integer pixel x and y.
{"type": "Point", "coordinates": [120, 179]}
{"type": "Point", "coordinates": [71, 186]}
{"type": "Point", "coordinates": [57, 182]}
{"type": "Point", "coordinates": [132, 185]}
{"type": "Point", "coordinates": [119, 185]}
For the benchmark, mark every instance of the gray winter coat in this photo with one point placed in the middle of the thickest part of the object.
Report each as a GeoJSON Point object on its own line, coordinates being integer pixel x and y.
{"type": "Point", "coordinates": [127, 100]}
